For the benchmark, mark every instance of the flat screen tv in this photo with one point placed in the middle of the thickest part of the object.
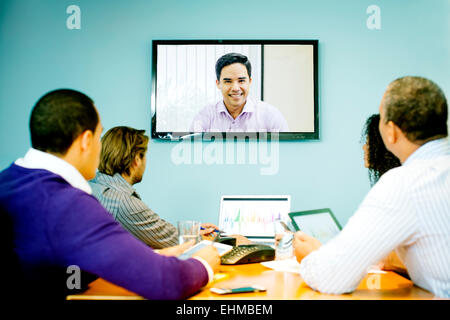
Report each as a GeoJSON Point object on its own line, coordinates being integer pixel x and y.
{"type": "Point", "coordinates": [239, 88]}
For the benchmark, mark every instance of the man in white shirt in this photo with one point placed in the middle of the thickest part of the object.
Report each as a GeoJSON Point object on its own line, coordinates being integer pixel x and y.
{"type": "Point", "coordinates": [408, 210]}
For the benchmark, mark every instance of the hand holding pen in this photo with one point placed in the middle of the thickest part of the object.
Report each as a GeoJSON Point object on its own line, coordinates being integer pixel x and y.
{"type": "Point", "coordinates": [209, 228]}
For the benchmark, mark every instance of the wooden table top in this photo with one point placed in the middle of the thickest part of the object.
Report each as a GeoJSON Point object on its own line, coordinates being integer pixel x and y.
{"type": "Point", "coordinates": [279, 286]}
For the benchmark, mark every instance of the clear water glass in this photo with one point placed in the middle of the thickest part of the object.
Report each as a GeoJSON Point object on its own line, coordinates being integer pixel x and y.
{"type": "Point", "coordinates": [189, 230]}
{"type": "Point", "coordinates": [284, 240]}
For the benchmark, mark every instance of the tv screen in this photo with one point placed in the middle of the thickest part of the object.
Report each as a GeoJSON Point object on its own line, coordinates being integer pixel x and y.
{"type": "Point", "coordinates": [235, 87]}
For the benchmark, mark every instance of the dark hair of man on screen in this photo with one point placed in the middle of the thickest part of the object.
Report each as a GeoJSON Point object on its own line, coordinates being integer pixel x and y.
{"type": "Point", "coordinates": [231, 58]}
{"type": "Point", "coordinates": [380, 160]}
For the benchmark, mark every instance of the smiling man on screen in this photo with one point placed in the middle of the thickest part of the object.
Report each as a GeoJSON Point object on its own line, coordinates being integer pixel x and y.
{"type": "Point", "coordinates": [236, 112]}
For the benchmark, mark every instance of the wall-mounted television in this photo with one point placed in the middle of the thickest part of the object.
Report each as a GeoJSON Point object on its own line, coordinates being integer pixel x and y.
{"type": "Point", "coordinates": [239, 88]}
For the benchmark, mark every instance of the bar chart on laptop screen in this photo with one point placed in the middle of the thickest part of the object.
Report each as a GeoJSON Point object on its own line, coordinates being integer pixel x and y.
{"type": "Point", "coordinates": [252, 218]}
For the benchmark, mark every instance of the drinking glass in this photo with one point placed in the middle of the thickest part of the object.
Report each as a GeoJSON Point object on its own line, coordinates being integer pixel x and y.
{"type": "Point", "coordinates": [188, 230]}
{"type": "Point", "coordinates": [284, 239]}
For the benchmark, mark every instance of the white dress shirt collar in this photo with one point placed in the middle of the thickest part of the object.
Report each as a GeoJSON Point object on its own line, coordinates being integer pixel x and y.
{"type": "Point", "coordinates": [35, 159]}
{"type": "Point", "coordinates": [430, 150]}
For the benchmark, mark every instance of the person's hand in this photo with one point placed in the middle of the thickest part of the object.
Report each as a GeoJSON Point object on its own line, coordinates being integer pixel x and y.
{"type": "Point", "coordinates": [176, 250]}
{"type": "Point", "coordinates": [304, 244]}
{"type": "Point", "coordinates": [208, 228]}
{"type": "Point", "coordinates": [393, 263]}
{"type": "Point", "coordinates": [240, 239]}
{"type": "Point", "coordinates": [210, 255]}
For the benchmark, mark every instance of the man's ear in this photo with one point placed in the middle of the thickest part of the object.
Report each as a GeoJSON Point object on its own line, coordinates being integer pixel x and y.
{"type": "Point", "coordinates": [137, 160]}
{"type": "Point", "coordinates": [392, 132]}
{"type": "Point", "coordinates": [86, 139]}
{"type": "Point", "coordinates": [218, 84]}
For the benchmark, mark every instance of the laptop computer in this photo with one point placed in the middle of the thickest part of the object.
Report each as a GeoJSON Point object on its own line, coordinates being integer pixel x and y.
{"type": "Point", "coordinates": [320, 223]}
{"type": "Point", "coordinates": [253, 215]}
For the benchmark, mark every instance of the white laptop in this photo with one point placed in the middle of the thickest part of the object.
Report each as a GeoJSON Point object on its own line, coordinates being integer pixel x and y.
{"type": "Point", "coordinates": [253, 215]}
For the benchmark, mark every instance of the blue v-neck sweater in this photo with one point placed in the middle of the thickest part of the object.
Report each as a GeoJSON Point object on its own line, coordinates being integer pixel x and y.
{"type": "Point", "coordinates": [56, 225]}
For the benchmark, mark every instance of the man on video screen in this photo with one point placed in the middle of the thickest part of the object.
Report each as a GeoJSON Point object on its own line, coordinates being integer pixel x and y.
{"type": "Point", "coordinates": [236, 113]}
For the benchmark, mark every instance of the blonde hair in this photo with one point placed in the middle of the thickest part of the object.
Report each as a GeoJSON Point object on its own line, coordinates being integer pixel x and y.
{"type": "Point", "coordinates": [120, 145]}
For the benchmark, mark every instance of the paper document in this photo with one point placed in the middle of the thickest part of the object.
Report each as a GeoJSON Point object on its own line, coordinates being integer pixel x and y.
{"type": "Point", "coordinates": [375, 269]}
{"type": "Point", "coordinates": [291, 265]}
{"type": "Point", "coordinates": [286, 265]}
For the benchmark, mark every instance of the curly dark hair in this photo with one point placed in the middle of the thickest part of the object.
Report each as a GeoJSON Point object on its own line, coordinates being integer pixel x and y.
{"type": "Point", "coordinates": [380, 159]}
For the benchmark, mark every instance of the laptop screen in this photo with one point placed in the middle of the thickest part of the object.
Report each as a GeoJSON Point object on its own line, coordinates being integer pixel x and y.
{"type": "Point", "coordinates": [253, 216]}
{"type": "Point", "coordinates": [320, 224]}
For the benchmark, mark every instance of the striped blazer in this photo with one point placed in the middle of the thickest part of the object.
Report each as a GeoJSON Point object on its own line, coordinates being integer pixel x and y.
{"type": "Point", "coordinates": [122, 201]}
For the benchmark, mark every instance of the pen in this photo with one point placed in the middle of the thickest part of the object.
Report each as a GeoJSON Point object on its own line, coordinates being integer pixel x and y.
{"type": "Point", "coordinates": [215, 230]}
{"type": "Point", "coordinates": [285, 226]}
{"type": "Point", "coordinates": [216, 237]}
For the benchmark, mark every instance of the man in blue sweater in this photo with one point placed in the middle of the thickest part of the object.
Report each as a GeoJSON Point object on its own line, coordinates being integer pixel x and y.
{"type": "Point", "coordinates": [55, 222]}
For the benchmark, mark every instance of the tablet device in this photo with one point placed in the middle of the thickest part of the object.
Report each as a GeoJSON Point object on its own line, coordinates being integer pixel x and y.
{"type": "Point", "coordinates": [222, 248]}
{"type": "Point", "coordinates": [320, 224]}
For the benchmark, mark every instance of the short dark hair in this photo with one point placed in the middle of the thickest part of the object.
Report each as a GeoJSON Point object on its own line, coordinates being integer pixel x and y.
{"type": "Point", "coordinates": [120, 145]}
{"type": "Point", "coordinates": [418, 107]}
{"type": "Point", "coordinates": [380, 159]}
{"type": "Point", "coordinates": [231, 58]}
{"type": "Point", "coordinates": [59, 117]}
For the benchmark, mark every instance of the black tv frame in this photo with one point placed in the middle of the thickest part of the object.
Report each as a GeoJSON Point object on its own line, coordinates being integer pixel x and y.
{"type": "Point", "coordinates": [176, 136]}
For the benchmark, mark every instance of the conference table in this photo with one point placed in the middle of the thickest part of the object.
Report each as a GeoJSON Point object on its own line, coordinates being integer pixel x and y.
{"type": "Point", "coordinates": [280, 285]}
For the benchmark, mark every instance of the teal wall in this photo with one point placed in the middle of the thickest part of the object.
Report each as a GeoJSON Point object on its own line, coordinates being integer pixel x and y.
{"type": "Point", "coordinates": [110, 60]}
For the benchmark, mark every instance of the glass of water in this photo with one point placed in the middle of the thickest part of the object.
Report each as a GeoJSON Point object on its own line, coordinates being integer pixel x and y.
{"type": "Point", "coordinates": [284, 240]}
{"type": "Point", "coordinates": [188, 230]}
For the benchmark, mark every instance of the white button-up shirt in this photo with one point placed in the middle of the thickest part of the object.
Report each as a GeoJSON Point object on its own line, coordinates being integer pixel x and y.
{"type": "Point", "coordinates": [407, 210]}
